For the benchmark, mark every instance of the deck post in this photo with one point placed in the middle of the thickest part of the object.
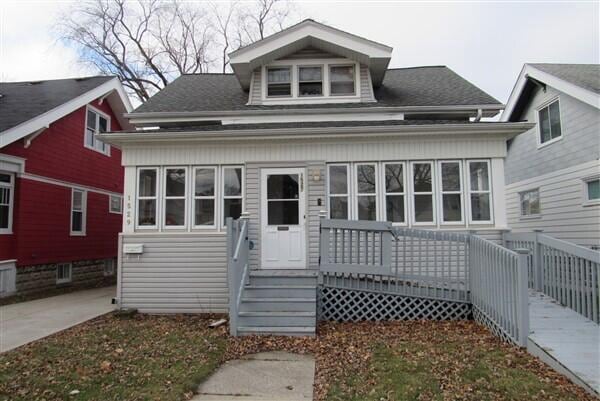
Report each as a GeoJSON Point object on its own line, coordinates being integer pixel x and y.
{"type": "Point", "coordinates": [538, 276]}
{"type": "Point", "coordinates": [229, 223]}
{"type": "Point", "coordinates": [323, 242]}
{"type": "Point", "coordinates": [523, 295]}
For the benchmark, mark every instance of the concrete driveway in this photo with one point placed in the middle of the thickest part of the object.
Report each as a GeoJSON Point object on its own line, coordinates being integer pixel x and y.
{"type": "Point", "coordinates": [25, 322]}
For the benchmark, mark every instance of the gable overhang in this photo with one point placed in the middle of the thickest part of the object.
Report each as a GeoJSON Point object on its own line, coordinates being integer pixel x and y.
{"type": "Point", "coordinates": [308, 33]}
{"type": "Point", "coordinates": [531, 77]}
{"type": "Point", "coordinates": [111, 91]}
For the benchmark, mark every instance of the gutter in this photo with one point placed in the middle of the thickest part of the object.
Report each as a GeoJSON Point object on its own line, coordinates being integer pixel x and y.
{"type": "Point", "coordinates": [508, 129]}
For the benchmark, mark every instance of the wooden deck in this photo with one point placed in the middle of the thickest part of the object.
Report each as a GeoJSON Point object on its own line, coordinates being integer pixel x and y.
{"type": "Point", "coordinates": [565, 340]}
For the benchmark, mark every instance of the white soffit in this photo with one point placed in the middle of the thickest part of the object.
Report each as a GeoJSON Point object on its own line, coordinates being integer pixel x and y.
{"type": "Point", "coordinates": [310, 33]}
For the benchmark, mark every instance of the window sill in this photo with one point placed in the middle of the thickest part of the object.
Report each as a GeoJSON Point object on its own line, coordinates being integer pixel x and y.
{"type": "Point", "coordinates": [77, 234]}
{"type": "Point", "coordinates": [6, 232]}
{"type": "Point", "coordinates": [585, 204]}
{"type": "Point", "coordinates": [550, 142]}
{"type": "Point", "coordinates": [531, 217]}
{"type": "Point", "coordinates": [107, 154]}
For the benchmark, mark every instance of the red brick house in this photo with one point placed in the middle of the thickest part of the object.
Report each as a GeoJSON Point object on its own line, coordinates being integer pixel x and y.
{"type": "Point", "coordinates": [60, 187]}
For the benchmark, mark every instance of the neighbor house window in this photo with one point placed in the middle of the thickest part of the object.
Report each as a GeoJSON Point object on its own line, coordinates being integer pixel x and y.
{"type": "Point", "coordinates": [279, 81]}
{"type": "Point", "coordinates": [205, 196]}
{"type": "Point", "coordinates": [174, 196]}
{"type": "Point", "coordinates": [78, 212]}
{"type": "Point", "coordinates": [366, 191]}
{"type": "Point", "coordinates": [549, 122]}
{"type": "Point", "coordinates": [591, 190]}
{"type": "Point", "coordinates": [339, 191]}
{"type": "Point", "coordinates": [115, 204]}
{"type": "Point", "coordinates": [310, 81]}
{"type": "Point", "coordinates": [479, 191]}
{"type": "Point", "coordinates": [109, 267]}
{"type": "Point", "coordinates": [232, 192]}
{"type": "Point", "coordinates": [7, 186]}
{"type": "Point", "coordinates": [96, 122]}
{"type": "Point", "coordinates": [422, 185]}
{"type": "Point", "coordinates": [451, 191]}
{"type": "Point", "coordinates": [341, 80]}
{"type": "Point", "coordinates": [63, 273]}
{"type": "Point", "coordinates": [147, 197]}
{"type": "Point", "coordinates": [530, 203]}
{"type": "Point", "coordinates": [394, 192]}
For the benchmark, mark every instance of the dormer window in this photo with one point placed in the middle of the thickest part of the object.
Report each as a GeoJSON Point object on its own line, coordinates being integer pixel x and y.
{"type": "Point", "coordinates": [279, 81]}
{"type": "Point", "coordinates": [341, 80]}
{"type": "Point", "coordinates": [310, 81]}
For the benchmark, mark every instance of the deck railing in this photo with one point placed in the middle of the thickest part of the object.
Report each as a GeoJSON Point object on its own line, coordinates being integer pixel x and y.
{"type": "Point", "coordinates": [564, 271]}
{"type": "Point", "coordinates": [237, 265]}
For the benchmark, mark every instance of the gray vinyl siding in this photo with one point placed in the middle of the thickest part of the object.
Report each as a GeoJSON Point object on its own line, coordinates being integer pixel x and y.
{"type": "Point", "coordinates": [256, 94]}
{"type": "Point", "coordinates": [580, 124]}
{"type": "Point", "coordinates": [176, 273]}
{"type": "Point", "coordinates": [563, 212]}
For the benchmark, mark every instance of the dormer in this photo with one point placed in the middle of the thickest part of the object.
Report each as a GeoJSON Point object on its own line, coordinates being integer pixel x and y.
{"type": "Point", "coordinates": [311, 63]}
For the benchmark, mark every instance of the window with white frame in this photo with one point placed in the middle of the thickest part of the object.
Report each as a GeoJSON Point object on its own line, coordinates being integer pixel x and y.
{"type": "Point", "coordinates": [395, 204]}
{"type": "Point", "coordinates": [451, 191]}
{"type": "Point", "coordinates": [366, 191]}
{"type": "Point", "coordinates": [147, 204]}
{"type": "Point", "coordinates": [480, 191]}
{"type": "Point", "coordinates": [205, 191]}
{"type": "Point", "coordinates": [530, 203]}
{"type": "Point", "coordinates": [339, 191]}
{"type": "Point", "coordinates": [279, 81]}
{"type": "Point", "coordinates": [64, 273]}
{"type": "Point", "coordinates": [96, 122]}
{"type": "Point", "coordinates": [109, 267]}
{"type": "Point", "coordinates": [233, 196]}
{"type": "Point", "coordinates": [7, 186]}
{"type": "Point", "coordinates": [341, 80]}
{"type": "Point", "coordinates": [549, 122]}
{"type": "Point", "coordinates": [174, 197]}
{"type": "Point", "coordinates": [310, 80]}
{"type": "Point", "coordinates": [591, 191]}
{"type": "Point", "coordinates": [78, 212]}
{"type": "Point", "coordinates": [422, 186]}
{"type": "Point", "coordinates": [115, 204]}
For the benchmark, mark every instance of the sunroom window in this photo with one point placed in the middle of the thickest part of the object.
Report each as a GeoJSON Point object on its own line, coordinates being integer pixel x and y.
{"type": "Point", "coordinates": [366, 191]}
{"type": "Point", "coordinates": [422, 192]}
{"type": "Point", "coordinates": [310, 81]}
{"type": "Point", "coordinates": [204, 196]}
{"type": "Point", "coordinates": [338, 191]}
{"type": "Point", "coordinates": [394, 192]}
{"type": "Point", "coordinates": [341, 80]}
{"type": "Point", "coordinates": [232, 192]}
{"type": "Point", "coordinates": [549, 122]}
{"type": "Point", "coordinates": [451, 192]}
{"type": "Point", "coordinates": [279, 81]}
{"type": "Point", "coordinates": [479, 191]}
{"type": "Point", "coordinates": [175, 197]}
{"type": "Point", "coordinates": [147, 197]}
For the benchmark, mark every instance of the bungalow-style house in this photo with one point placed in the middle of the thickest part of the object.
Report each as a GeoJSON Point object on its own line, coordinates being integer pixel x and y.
{"type": "Point", "coordinates": [553, 170]}
{"type": "Point", "coordinates": [61, 187]}
{"type": "Point", "coordinates": [311, 122]}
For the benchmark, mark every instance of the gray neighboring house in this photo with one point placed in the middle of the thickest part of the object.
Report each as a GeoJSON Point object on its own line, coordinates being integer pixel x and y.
{"type": "Point", "coordinates": [553, 170]}
{"type": "Point", "coordinates": [311, 122]}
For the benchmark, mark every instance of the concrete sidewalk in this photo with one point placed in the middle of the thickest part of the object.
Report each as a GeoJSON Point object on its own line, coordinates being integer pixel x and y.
{"type": "Point", "coordinates": [268, 376]}
{"type": "Point", "coordinates": [25, 322]}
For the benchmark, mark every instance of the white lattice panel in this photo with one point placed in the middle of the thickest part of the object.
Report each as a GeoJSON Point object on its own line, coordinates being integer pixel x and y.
{"type": "Point", "coordinates": [481, 318]}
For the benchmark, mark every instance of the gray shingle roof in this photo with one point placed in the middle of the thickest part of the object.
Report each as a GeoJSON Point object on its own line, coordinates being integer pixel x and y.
{"type": "Point", "coordinates": [586, 76]}
{"type": "Point", "coordinates": [419, 86]}
{"type": "Point", "coordinates": [22, 101]}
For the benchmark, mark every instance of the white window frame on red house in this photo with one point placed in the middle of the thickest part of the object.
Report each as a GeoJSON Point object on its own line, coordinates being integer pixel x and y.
{"type": "Point", "coordinates": [111, 204]}
{"type": "Point", "coordinates": [10, 187]}
{"type": "Point", "coordinates": [67, 274]}
{"type": "Point", "coordinates": [82, 210]}
{"type": "Point", "coordinates": [89, 141]}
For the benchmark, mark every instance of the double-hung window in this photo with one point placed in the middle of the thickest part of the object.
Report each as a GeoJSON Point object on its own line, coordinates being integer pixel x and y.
{"type": "Point", "coordinates": [341, 80]}
{"type": "Point", "coordinates": [233, 195]}
{"type": "Point", "coordinates": [7, 186]}
{"type": "Point", "coordinates": [339, 191]}
{"type": "Point", "coordinates": [366, 191]}
{"type": "Point", "coordinates": [279, 81]}
{"type": "Point", "coordinates": [96, 122]}
{"type": "Point", "coordinates": [310, 81]}
{"type": "Point", "coordinates": [395, 210]}
{"type": "Point", "coordinates": [147, 197]}
{"type": "Point", "coordinates": [450, 173]}
{"type": "Point", "coordinates": [530, 203]}
{"type": "Point", "coordinates": [591, 190]}
{"type": "Point", "coordinates": [115, 204]}
{"type": "Point", "coordinates": [549, 122]}
{"type": "Point", "coordinates": [480, 191]}
{"type": "Point", "coordinates": [205, 197]}
{"type": "Point", "coordinates": [78, 211]}
{"type": "Point", "coordinates": [422, 185]}
{"type": "Point", "coordinates": [174, 197]}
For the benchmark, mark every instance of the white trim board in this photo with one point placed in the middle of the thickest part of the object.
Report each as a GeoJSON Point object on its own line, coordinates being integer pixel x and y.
{"type": "Point", "coordinates": [54, 181]}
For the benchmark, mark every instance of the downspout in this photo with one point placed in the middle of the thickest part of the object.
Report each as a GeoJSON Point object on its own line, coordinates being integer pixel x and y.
{"type": "Point", "coordinates": [479, 115]}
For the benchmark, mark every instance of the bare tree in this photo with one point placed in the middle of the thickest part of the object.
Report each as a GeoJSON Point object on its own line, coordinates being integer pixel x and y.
{"type": "Point", "coordinates": [147, 43]}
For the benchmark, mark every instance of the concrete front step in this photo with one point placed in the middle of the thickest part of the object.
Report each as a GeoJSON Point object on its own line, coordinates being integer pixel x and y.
{"type": "Point", "coordinates": [280, 291]}
{"type": "Point", "coordinates": [277, 319]}
{"type": "Point", "coordinates": [277, 331]}
{"type": "Point", "coordinates": [308, 304]}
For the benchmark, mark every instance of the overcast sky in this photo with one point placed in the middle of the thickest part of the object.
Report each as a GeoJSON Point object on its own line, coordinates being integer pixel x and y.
{"type": "Point", "coordinates": [485, 42]}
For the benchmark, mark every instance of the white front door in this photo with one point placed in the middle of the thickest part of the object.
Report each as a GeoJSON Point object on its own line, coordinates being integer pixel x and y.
{"type": "Point", "coordinates": [283, 218]}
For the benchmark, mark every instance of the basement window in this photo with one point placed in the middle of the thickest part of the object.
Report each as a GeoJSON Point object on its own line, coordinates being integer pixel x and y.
{"type": "Point", "coordinates": [64, 273]}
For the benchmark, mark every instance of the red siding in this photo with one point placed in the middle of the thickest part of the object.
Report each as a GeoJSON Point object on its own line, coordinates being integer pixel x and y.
{"type": "Point", "coordinates": [41, 217]}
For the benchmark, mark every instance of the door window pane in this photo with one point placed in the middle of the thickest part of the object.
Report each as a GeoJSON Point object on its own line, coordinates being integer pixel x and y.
{"type": "Point", "coordinates": [423, 208]}
{"type": "Point", "coordinates": [147, 212]}
{"type": "Point", "coordinates": [338, 207]}
{"type": "Point", "coordinates": [395, 208]}
{"type": "Point", "coordinates": [282, 186]}
{"type": "Point", "coordinates": [283, 212]}
{"type": "Point", "coordinates": [367, 208]}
